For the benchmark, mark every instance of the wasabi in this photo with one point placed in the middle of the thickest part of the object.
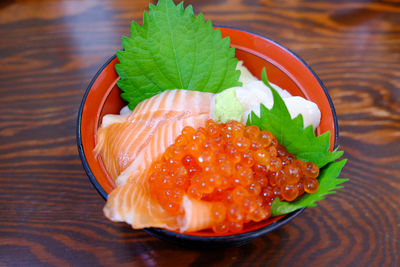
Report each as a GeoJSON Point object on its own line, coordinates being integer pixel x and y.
{"type": "Point", "coordinates": [227, 107]}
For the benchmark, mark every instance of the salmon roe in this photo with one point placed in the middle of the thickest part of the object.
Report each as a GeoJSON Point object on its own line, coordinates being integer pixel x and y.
{"type": "Point", "coordinates": [238, 168]}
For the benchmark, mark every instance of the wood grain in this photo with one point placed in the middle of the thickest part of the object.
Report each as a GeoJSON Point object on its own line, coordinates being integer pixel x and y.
{"type": "Point", "coordinates": [51, 215]}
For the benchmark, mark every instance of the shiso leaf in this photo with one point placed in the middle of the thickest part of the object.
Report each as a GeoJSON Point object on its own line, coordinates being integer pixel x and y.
{"type": "Point", "coordinates": [328, 183]}
{"type": "Point", "coordinates": [173, 49]}
{"type": "Point", "coordinates": [303, 143]}
{"type": "Point", "coordinates": [291, 133]}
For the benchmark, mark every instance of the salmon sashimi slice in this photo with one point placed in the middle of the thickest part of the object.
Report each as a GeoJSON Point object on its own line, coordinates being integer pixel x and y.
{"type": "Point", "coordinates": [128, 147]}
{"type": "Point", "coordinates": [163, 137]}
{"type": "Point", "coordinates": [197, 215]}
{"type": "Point", "coordinates": [178, 100]}
{"type": "Point", "coordinates": [133, 203]}
{"type": "Point", "coordinates": [119, 143]}
{"type": "Point", "coordinates": [143, 209]}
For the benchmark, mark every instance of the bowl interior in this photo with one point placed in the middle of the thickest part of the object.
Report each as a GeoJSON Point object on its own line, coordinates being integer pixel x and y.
{"type": "Point", "coordinates": [283, 68]}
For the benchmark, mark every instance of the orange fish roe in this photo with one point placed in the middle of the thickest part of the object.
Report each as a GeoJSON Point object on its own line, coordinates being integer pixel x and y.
{"type": "Point", "coordinates": [239, 168]}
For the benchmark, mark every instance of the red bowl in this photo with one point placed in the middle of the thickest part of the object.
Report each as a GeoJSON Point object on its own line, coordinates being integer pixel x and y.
{"type": "Point", "coordinates": [284, 68]}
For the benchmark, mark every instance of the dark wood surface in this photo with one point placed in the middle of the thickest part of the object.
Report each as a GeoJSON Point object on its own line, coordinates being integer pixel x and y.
{"type": "Point", "coordinates": [51, 215]}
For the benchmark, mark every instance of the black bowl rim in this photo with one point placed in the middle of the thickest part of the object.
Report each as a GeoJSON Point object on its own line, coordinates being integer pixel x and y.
{"type": "Point", "coordinates": [169, 234]}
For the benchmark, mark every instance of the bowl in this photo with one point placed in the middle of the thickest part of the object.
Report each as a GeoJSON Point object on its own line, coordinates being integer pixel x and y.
{"type": "Point", "coordinates": [284, 68]}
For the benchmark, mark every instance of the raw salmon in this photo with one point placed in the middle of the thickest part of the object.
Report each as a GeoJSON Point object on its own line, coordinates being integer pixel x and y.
{"type": "Point", "coordinates": [129, 144]}
{"type": "Point", "coordinates": [197, 215]}
{"type": "Point", "coordinates": [133, 203]}
{"type": "Point", "coordinates": [163, 137]}
{"type": "Point", "coordinates": [120, 143]}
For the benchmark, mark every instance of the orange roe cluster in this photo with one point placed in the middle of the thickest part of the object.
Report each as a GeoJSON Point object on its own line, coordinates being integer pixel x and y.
{"type": "Point", "coordinates": [239, 168]}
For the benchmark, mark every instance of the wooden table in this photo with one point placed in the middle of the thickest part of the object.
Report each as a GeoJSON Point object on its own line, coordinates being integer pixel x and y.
{"type": "Point", "coordinates": [51, 215]}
